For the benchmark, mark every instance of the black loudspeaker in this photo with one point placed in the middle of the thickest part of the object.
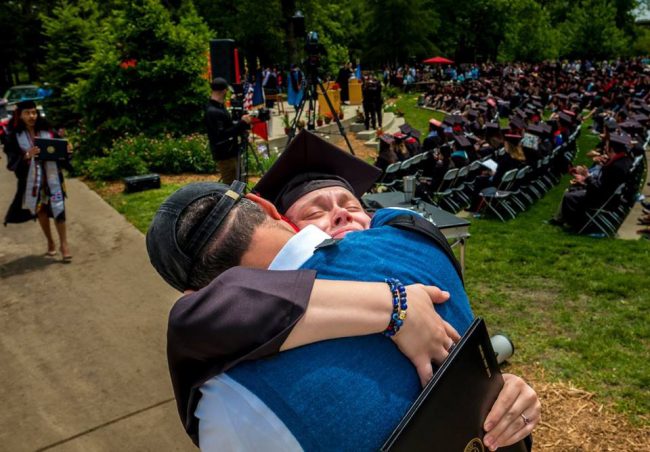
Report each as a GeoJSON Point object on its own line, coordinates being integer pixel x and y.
{"type": "Point", "coordinates": [222, 59]}
{"type": "Point", "coordinates": [139, 183]}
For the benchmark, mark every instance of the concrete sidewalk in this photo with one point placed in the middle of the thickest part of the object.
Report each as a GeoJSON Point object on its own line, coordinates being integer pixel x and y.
{"type": "Point", "coordinates": [82, 345]}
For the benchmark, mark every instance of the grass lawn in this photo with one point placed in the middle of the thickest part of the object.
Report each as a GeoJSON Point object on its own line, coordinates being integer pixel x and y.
{"type": "Point", "coordinates": [576, 306]}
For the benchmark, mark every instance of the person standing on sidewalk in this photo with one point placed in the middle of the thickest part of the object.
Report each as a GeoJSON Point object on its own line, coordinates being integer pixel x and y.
{"type": "Point", "coordinates": [40, 189]}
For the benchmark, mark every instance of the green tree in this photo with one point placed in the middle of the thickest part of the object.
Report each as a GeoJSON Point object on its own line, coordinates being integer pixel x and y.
{"type": "Point", "coordinates": [400, 30]}
{"type": "Point", "coordinates": [471, 31]}
{"type": "Point", "coordinates": [528, 36]}
{"type": "Point", "coordinates": [147, 75]}
{"type": "Point", "coordinates": [69, 32]}
{"type": "Point", "coordinates": [591, 32]}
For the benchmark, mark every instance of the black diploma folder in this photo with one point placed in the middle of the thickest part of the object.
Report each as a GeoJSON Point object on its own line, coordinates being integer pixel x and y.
{"type": "Point", "coordinates": [449, 413]}
{"type": "Point", "coordinates": [52, 148]}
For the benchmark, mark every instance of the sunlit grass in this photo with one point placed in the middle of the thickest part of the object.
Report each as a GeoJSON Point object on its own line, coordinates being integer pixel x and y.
{"type": "Point", "coordinates": [577, 305]}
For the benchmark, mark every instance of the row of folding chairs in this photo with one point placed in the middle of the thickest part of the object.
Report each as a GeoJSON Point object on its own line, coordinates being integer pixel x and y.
{"type": "Point", "coordinates": [520, 188]}
{"type": "Point", "coordinates": [607, 218]}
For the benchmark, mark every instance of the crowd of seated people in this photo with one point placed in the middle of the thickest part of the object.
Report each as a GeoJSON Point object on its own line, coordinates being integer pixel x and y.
{"type": "Point", "coordinates": [614, 95]}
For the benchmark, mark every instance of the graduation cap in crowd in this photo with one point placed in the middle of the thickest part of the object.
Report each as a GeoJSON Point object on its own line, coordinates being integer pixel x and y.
{"type": "Point", "coordinates": [519, 112]}
{"type": "Point", "coordinates": [415, 133]}
{"type": "Point", "coordinates": [517, 123]}
{"type": "Point", "coordinates": [640, 118]}
{"type": "Point", "coordinates": [513, 138]}
{"type": "Point", "coordinates": [631, 126]}
{"type": "Point", "coordinates": [619, 142]}
{"type": "Point", "coordinates": [387, 138]}
{"type": "Point", "coordinates": [461, 141]}
{"type": "Point", "coordinates": [472, 114]}
{"type": "Point", "coordinates": [405, 128]}
{"type": "Point", "coordinates": [452, 120]}
{"type": "Point", "coordinates": [574, 96]}
{"type": "Point", "coordinates": [565, 118]}
{"type": "Point", "coordinates": [537, 129]}
{"type": "Point", "coordinates": [399, 135]}
{"type": "Point", "coordinates": [26, 105]}
{"type": "Point", "coordinates": [311, 163]}
{"type": "Point", "coordinates": [492, 127]}
{"type": "Point", "coordinates": [563, 97]}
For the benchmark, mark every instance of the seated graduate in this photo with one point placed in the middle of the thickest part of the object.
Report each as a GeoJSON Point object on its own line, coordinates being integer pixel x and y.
{"type": "Point", "coordinates": [593, 189]}
{"type": "Point", "coordinates": [314, 412]}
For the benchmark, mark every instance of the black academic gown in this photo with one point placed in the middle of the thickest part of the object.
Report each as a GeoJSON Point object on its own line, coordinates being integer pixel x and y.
{"type": "Point", "coordinates": [251, 314]}
{"type": "Point", "coordinates": [596, 191]}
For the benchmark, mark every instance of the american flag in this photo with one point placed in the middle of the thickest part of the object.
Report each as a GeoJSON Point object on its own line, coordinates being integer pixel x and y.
{"type": "Point", "coordinates": [248, 97]}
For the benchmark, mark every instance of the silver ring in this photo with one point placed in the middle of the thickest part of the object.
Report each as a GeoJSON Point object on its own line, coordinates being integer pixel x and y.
{"type": "Point", "coordinates": [526, 420]}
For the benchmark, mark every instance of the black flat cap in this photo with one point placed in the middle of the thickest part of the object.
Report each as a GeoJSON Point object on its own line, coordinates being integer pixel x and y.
{"type": "Point", "coordinates": [311, 163]}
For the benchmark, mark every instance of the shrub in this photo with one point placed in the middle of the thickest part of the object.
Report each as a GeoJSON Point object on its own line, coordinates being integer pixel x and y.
{"type": "Point", "coordinates": [139, 154]}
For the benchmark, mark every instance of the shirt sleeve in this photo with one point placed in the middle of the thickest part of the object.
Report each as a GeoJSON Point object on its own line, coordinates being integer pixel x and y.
{"type": "Point", "coordinates": [241, 312]}
{"type": "Point", "coordinates": [244, 314]}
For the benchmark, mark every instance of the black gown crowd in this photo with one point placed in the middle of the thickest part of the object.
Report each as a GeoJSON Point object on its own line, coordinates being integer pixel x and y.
{"type": "Point", "coordinates": [472, 160]}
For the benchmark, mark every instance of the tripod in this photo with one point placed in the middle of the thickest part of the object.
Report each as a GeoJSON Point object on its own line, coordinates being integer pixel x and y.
{"type": "Point", "coordinates": [310, 96]}
{"type": "Point", "coordinates": [244, 151]}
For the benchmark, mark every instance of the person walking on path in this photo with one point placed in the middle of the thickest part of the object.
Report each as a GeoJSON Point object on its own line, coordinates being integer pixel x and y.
{"type": "Point", "coordinates": [40, 189]}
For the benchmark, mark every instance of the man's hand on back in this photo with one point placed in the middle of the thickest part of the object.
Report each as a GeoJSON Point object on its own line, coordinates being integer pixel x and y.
{"type": "Point", "coordinates": [425, 336]}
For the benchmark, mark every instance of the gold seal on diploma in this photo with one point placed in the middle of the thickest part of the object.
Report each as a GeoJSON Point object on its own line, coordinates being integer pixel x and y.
{"type": "Point", "coordinates": [475, 445]}
{"type": "Point", "coordinates": [50, 149]}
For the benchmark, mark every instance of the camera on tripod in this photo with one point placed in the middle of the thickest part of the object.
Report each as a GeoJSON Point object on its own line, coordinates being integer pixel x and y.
{"type": "Point", "coordinates": [237, 109]}
{"type": "Point", "coordinates": [314, 50]}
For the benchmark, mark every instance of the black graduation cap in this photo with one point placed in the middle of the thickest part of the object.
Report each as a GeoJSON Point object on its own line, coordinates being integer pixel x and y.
{"type": "Point", "coordinates": [310, 163]}
{"type": "Point", "coordinates": [387, 138]}
{"type": "Point", "coordinates": [630, 125]}
{"type": "Point", "coordinates": [620, 142]}
{"type": "Point", "coordinates": [482, 108]}
{"type": "Point", "coordinates": [405, 128]}
{"type": "Point", "coordinates": [26, 104]}
{"type": "Point", "coordinates": [472, 114]}
{"type": "Point", "coordinates": [561, 96]}
{"type": "Point", "coordinates": [513, 137]}
{"type": "Point", "coordinates": [454, 119]}
{"type": "Point", "coordinates": [492, 126]}
{"type": "Point", "coordinates": [517, 123]}
{"type": "Point", "coordinates": [563, 117]}
{"type": "Point", "coordinates": [519, 112]}
{"type": "Point", "coordinates": [574, 96]}
{"type": "Point", "coordinates": [640, 117]}
{"type": "Point", "coordinates": [537, 129]}
{"type": "Point", "coordinates": [548, 129]}
{"type": "Point", "coordinates": [461, 141]}
{"type": "Point", "coordinates": [415, 133]}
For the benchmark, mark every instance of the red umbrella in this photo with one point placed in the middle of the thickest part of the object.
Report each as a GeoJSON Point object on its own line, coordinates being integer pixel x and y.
{"type": "Point", "coordinates": [438, 60]}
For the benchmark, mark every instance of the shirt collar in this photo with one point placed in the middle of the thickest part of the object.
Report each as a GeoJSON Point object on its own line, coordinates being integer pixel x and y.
{"type": "Point", "coordinates": [298, 249]}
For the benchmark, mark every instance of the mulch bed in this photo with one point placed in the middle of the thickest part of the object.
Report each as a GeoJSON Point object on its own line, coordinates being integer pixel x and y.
{"type": "Point", "coordinates": [573, 420]}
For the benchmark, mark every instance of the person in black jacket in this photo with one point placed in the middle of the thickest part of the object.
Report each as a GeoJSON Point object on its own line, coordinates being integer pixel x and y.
{"type": "Point", "coordinates": [592, 190]}
{"type": "Point", "coordinates": [223, 133]}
